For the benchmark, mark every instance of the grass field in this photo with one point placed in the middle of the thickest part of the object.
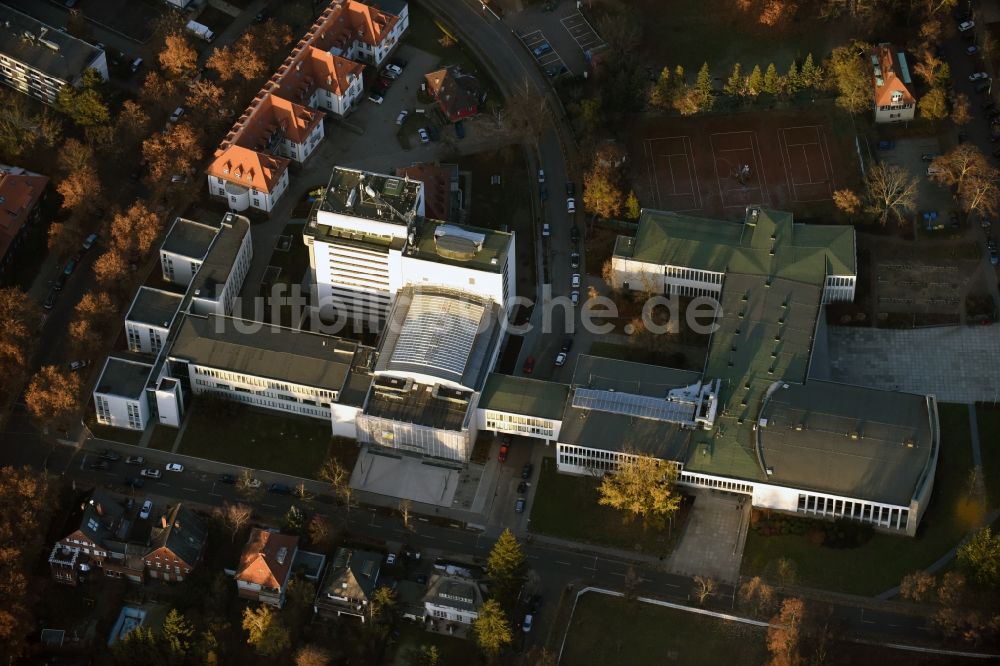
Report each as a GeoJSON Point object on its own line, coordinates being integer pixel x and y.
{"type": "Point", "coordinates": [566, 507]}
{"type": "Point", "coordinates": [452, 651]}
{"type": "Point", "coordinates": [232, 433]}
{"type": "Point", "coordinates": [614, 632]}
{"type": "Point", "coordinates": [880, 564]}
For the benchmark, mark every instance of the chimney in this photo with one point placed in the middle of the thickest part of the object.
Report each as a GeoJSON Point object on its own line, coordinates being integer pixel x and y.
{"type": "Point", "coordinates": [163, 521]}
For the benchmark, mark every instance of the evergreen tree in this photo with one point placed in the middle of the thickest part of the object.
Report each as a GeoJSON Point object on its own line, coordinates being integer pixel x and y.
{"type": "Point", "coordinates": [755, 82]}
{"type": "Point", "coordinates": [706, 93]}
{"type": "Point", "coordinates": [679, 75]}
{"type": "Point", "coordinates": [792, 81]}
{"type": "Point", "coordinates": [506, 565]}
{"type": "Point", "coordinates": [661, 95]}
{"type": "Point", "coordinates": [632, 207]}
{"type": "Point", "coordinates": [176, 635]}
{"type": "Point", "coordinates": [735, 85]}
{"type": "Point", "coordinates": [772, 82]}
{"type": "Point", "coordinates": [811, 76]}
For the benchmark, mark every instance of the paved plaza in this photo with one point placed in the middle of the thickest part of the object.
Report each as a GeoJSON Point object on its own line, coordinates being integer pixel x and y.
{"type": "Point", "coordinates": [955, 363]}
{"type": "Point", "coordinates": [712, 543]}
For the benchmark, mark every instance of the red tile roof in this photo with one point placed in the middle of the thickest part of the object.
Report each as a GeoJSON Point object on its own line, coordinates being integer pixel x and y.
{"type": "Point", "coordinates": [19, 192]}
{"type": "Point", "coordinates": [247, 167]}
{"type": "Point", "coordinates": [372, 24]}
{"type": "Point", "coordinates": [259, 562]}
{"type": "Point", "coordinates": [892, 80]}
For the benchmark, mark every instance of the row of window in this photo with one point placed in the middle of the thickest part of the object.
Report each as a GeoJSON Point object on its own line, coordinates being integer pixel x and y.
{"type": "Point", "coordinates": [263, 383]}
{"type": "Point", "coordinates": [134, 416]}
{"type": "Point", "coordinates": [524, 425]}
{"type": "Point", "coordinates": [103, 409]}
{"type": "Point", "coordinates": [282, 405]}
{"type": "Point", "coordinates": [686, 290]}
{"type": "Point", "coordinates": [874, 514]}
{"type": "Point", "coordinates": [721, 484]}
{"type": "Point", "coordinates": [837, 281]}
{"type": "Point", "coordinates": [694, 275]}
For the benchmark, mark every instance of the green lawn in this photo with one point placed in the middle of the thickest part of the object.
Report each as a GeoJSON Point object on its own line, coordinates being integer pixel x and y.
{"type": "Point", "coordinates": [452, 651]}
{"type": "Point", "coordinates": [261, 440]}
{"type": "Point", "coordinates": [880, 564]}
{"type": "Point", "coordinates": [988, 419]}
{"type": "Point", "coordinates": [611, 631]}
{"type": "Point", "coordinates": [163, 438]}
{"type": "Point", "coordinates": [566, 506]}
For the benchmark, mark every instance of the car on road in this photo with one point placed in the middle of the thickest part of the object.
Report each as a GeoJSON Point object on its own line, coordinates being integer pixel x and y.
{"type": "Point", "coordinates": [89, 241]}
{"type": "Point", "coordinates": [502, 456]}
{"type": "Point", "coordinates": [175, 467]}
{"type": "Point", "coordinates": [976, 76]}
{"type": "Point", "coordinates": [279, 489]}
{"type": "Point", "coordinates": [375, 97]}
{"type": "Point", "coordinates": [389, 74]}
{"type": "Point", "coordinates": [570, 205]}
{"type": "Point", "coordinates": [133, 482]}
{"type": "Point", "coordinates": [50, 299]}
{"type": "Point", "coordinates": [401, 118]}
{"type": "Point", "coordinates": [395, 69]}
{"type": "Point", "coordinates": [928, 157]}
{"type": "Point", "coordinates": [529, 365]}
{"type": "Point", "coordinates": [971, 50]}
{"type": "Point", "coordinates": [70, 267]}
{"type": "Point", "coordinates": [574, 259]}
{"type": "Point", "coordinates": [574, 297]}
{"type": "Point", "coordinates": [411, 553]}
{"type": "Point", "coordinates": [571, 189]}
{"type": "Point", "coordinates": [460, 129]}
{"type": "Point", "coordinates": [522, 487]}
{"type": "Point", "coordinates": [135, 460]}
{"type": "Point", "coordinates": [544, 48]}
{"type": "Point", "coordinates": [76, 366]}
{"type": "Point", "coordinates": [560, 359]}
{"type": "Point", "coordinates": [574, 280]}
{"type": "Point", "coordinates": [543, 192]}
{"type": "Point", "coordinates": [110, 456]}
{"type": "Point", "coordinates": [100, 465]}
{"type": "Point", "coordinates": [390, 559]}
{"type": "Point", "coordinates": [993, 257]}
{"type": "Point", "coordinates": [150, 473]}
{"type": "Point", "coordinates": [227, 478]}
{"type": "Point", "coordinates": [546, 231]}
{"type": "Point", "coordinates": [147, 508]}
{"type": "Point", "coordinates": [527, 470]}
{"type": "Point", "coordinates": [886, 144]}
{"type": "Point", "coordinates": [574, 234]}
{"type": "Point", "coordinates": [519, 505]}
{"type": "Point", "coordinates": [527, 623]}
{"type": "Point", "coordinates": [424, 136]}
{"type": "Point", "coordinates": [541, 175]}
{"type": "Point", "coordinates": [136, 64]}
{"type": "Point", "coordinates": [966, 26]}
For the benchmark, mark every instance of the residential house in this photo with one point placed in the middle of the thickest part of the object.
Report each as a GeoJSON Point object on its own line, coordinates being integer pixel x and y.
{"type": "Point", "coordinates": [350, 583]}
{"type": "Point", "coordinates": [893, 85]}
{"type": "Point", "coordinates": [106, 533]}
{"type": "Point", "coordinates": [453, 599]}
{"type": "Point", "coordinates": [458, 94]}
{"type": "Point", "coordinates": [38, 59]}
{"type": "Point", "coordinates": [266, 566]}
{"type": "Point", "coordinates": [20, 192]}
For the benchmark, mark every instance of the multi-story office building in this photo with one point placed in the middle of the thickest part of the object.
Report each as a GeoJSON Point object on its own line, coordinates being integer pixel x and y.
{"type": "Point", "coordinates": [38, 60]}
{"type": "Point", "coordinates": [20, 192]}
{"type": "Point", "coordinates": [120, 394]}
{"type": "Point", "coordinates": [149, 319]}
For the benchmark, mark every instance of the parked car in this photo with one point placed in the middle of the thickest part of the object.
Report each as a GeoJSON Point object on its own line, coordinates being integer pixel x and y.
{"type": "Point", "coordinates": [135, 460]}
{"type": "Point", "coordinates": [574, 259]}
{"type": "Point", "coordinates": [390, 559]}
{"type": "Point", "coordinates": [544, 48]}
{"type": "Point", "coordinates": [522, 487]}
{"type": "Point", "coordinates": [89, 241]}
{"type": "Point", "coordinates": [424, 136]}
{"type": "Point", "coordinates": [574, 298]}
{"type": "Point", "coordinates": [543, 192]}
{"type": "Point", "coordinates": [529, 365]}
{"type": "Point", "coordinates": [279, 489]}
{"type": "Point", "coordinates": [567, 345]}
{"type": "Point", "coordinates": [395, 69]}
{"type": "Point", "coordinates": [527, 470]}
{"type": "Point", "coordinates": [527, 623]}
{"type": "Point", "coordinates": [382, 84]}
{"type": "Point", "coordinates": [150, 473]}
{"type": "Point", "coordinates": [411, 553]}
{"type": "Point", "coordinates": [519, 505]}
{"type": "Point", "coordinates": [993, 257]}
{"type": "Point", "coordinates": [100, 465]}
{"type": "Point", "coordinates": [571, 189]}
{"type": "Point", "coordinates": [886, 144]}
{"type": "Point", "coordinates": [541, 175]}
{"type": "Point", "coordinates": [375, 97]}
{"type": "Point", "coordinates": [176, 115]}
{"type": "Point", "coordinates": [110, 455]}
{"type": "Point", "coordinates": [966, 26]}
{"type": "Point", "coordinates": [136, 64]}
{"type": "Point", "coordinates": [571, 205]}
{"type": "Point", "coordinates": [574, 234]}
{"type": "Point", "coordinates": [560, 359]}
{"type": "Point", "coordinates": [976, 76]}
{"type": "Point", "coordinates": [147, 508]}
{"type": "Point", "coordinates": [389, 74]}
{"type": "Point", "coordinates": [70, 267]}
{"type": "Point", "coordinates": [574, 280]}
{"type": "Point", "coordinates": [546, 231]}
{"type": "Point", "coordinates": [50, 299]}
{"type": "Point", "coordinates": [971, 50]}
{"type": "Point", "coordinates": [535, 603]}
{"type": "Point", "coordinates": [502, 456]}
{"type": "Point", "coordinates": [928, 157]}
{"type": "Point", "coordinates": [175, 467]}
{"type": "Point", "coordinates": [78, 365]}
{"type": "Point", "coordinates": [433, 131]}
{"type": "Point", "coordinates": [401, 118]}
{"type": "Point", "coordinates": [227, 479]}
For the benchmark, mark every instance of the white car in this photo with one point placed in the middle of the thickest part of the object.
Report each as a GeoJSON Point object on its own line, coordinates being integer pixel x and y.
{"type": "Point", "coordinates": [390, 558]}
{"type": "Point", "coordinates": [966, 26]}
{"type": "Point", "coordinates": [527, 623]}
{"type": "Point", "coordinates": [424, 136]}
{"type": "Point", "coordinates": [401, 118]}
{"type": "Point", "coordinates": [175, 467]}
{"type": "Point", "coordinates": [147, 508]}
{"type": "Point", "coordinates": [575, 280]}
{"type": "Point", "coordinates": [574, 296]}
{"type": "Point", "coordinates": [395, 69]}
{"type": "Point", "coordinates": [560, 359]}
{"type": "Point", "coordinates": [976, 76]}
{"type": "Point", "coordinates": [375, 97]}
{"type": "Point", "coordinates": [151, 473]}
{"type": "Point", "coordinates": [570, 205]}
{"type": "Point", "coordinates": [78, 365]}
{"type": "Point", "coordinates": [176, 115]}
{"type": "Point", "coordinates": [545, 229]}
{"type": "Point", "coordinates": [541, 175]}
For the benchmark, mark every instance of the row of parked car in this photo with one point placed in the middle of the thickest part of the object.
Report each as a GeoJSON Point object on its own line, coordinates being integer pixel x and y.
{"type": "Point", "coordinates": [389, 73]}
{"type": "Point", "coordinates": [66, 271]}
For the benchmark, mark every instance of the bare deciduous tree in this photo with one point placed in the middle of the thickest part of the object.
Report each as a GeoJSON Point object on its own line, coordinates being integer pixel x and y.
{"type": "Point", "coordinates": [704, 587]}
{"type": "Point", "coordinates": [891, 192]}
{"type": "Point", "coordinates": [404, 512]}
{"type": "Point", "coordinates": [236, 516]}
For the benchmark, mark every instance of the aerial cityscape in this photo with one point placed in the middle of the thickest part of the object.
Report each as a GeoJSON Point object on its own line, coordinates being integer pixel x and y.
{"type": "Point", "coordinates": [527, 332]}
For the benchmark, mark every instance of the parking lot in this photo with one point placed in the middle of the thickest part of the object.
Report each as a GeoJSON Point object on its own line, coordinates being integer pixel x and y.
{"type": "Point", "coordinates": [544, 54]}
{"type": "Point", "coordinates": [582, 32]}
{"type": "Point", "coordinates": [908, 154]}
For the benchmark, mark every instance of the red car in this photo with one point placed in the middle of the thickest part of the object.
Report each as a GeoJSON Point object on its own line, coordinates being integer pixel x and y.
{"type": "Point", "coordinates": [503, 453]}
{"type": "Point", "coordinates": [529, 365]}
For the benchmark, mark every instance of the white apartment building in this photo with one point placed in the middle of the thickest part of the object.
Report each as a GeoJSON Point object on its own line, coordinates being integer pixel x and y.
{"type": "Point", "coordinates": [376, 31]}
{"type": "Point", "coordinates": [38, 60]}
{"type": "Point", "coordinates": [120, 394]}
{"type": "Point", "coordinates": [247, 178]}
{"type": "Point", "coordinates": [149, 319]}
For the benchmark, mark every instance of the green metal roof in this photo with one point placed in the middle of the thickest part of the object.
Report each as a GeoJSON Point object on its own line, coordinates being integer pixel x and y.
{"type": "Point", "coordinates": [769, 243]}
{"type": "Point", "coordinates": [520, 395]}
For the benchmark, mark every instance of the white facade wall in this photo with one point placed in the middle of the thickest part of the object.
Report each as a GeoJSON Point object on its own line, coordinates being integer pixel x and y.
{"type": "Point", "coordinates": [325, 100]}
{"type": "Point", "coordinates": [177, 268]}
{"type": "Point", "coordinates": [894, 113]}
{"type": "Point", "coordinates": [424, 273]}
{"type": "Point", "coordinates": [355, 278]}
{"type": "Point", "coordinates": [119, 412]}
{"type": "Point", "coordinates": [251, 390]}
{"type": "Point", "coordinates": [299, 152]}
{"type": "Point", "coordinates": [240, 197]}
{"type": "Point", "coordinates": [222, 302]}
{"type": "Point", "coordinates": [169, 405]}
{"type": "Point", "coordinates": [839, 288]}
{"type": "Point", "coordinates": [449, 614]}
{"type": "Point", "coordinates": [517, 424]}
{"type": "Point", "coordinates": [40, 85]}
{"type": "Point", "coordinates": [343, 420]}
{"type": "Point", "coordinates": [145, 337]}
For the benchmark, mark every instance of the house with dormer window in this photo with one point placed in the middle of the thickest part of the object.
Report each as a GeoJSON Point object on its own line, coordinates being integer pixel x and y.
{"type": "Point", "coordinates": [893, 85]}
